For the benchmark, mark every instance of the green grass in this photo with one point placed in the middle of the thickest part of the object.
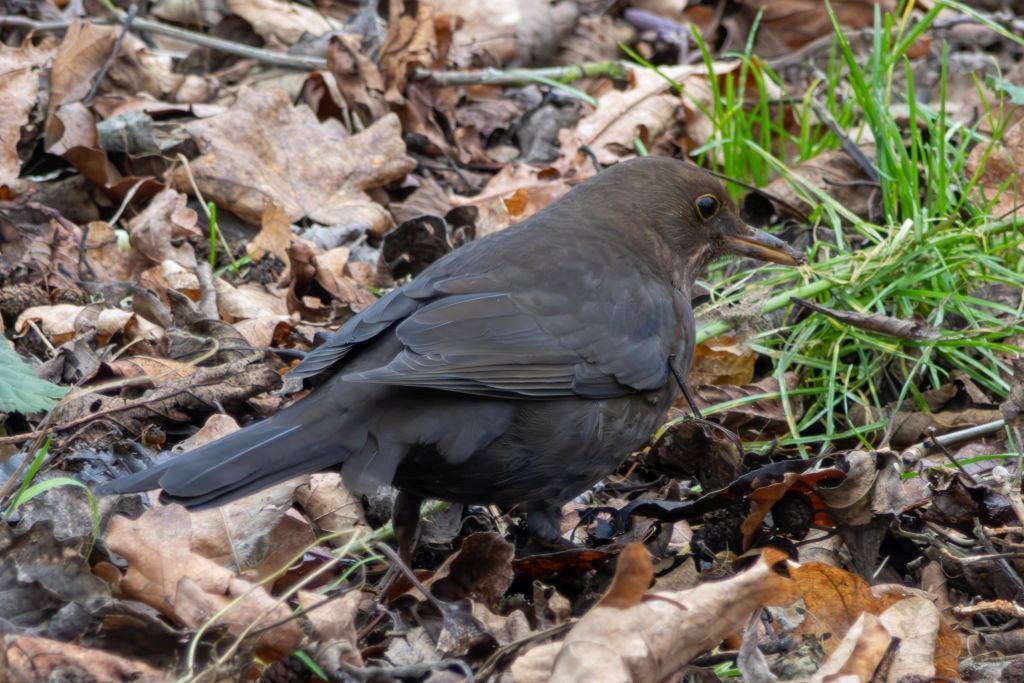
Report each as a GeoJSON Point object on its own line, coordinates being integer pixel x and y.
{"type": "Point", "coordinates": [934, 246]}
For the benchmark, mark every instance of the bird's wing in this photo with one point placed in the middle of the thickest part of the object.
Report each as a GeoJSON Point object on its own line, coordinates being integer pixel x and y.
{"type": "Point", "coordinates": [589, 335]}
{"type": "Point", "coordinates": [361, 328]}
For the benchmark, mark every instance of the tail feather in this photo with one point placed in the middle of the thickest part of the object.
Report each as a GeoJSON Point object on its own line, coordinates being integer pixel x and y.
{"type": "Point", "coordinates": [302, 438]}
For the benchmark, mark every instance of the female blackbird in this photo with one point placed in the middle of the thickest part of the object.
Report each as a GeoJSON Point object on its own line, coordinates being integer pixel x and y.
{"type": "Point", "coordinates": [521, 368]}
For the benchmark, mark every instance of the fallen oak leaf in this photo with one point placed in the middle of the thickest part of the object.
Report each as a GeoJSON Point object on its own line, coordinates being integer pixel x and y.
{"type": "Point", "coordinates": [652, 640]}
{"type": "Point", "coordinates": [265, 151]}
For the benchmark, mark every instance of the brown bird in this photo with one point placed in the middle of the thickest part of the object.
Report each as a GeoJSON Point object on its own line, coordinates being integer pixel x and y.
{"type": "Point", "coordinates": [521, 368]}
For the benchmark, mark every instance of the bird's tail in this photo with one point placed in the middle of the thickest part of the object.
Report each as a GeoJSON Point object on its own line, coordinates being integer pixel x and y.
{"type": "Point", "coordinates": [302, 438]}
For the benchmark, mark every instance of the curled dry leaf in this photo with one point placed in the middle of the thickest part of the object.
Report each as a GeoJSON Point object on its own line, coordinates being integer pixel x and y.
{"type": "Point", "coordinates": [25, 658]}
{"type": "Point", "coordinates": [59, 323]}
{"type": "Point", "coordinates": [188, 588]}
{"type": "Point", "coordinates": [247, 301]}
{"type": "Point", "coordinates": [308, 267]}
{"type": "Point", "coordinates": [334, 625]}
{"type": "Point", "coordinates": [19, 92]}
{"type": "Point", "coordinates": [265, 151]}
{"type": "Point", "coordinates": [274, 235]}
{"type": "Point", "coordinates": [332, 507]}
{"type": "Point", "coordinates": [657, 637]}
{"type": "Point", "coordinates": [722, 361]}
{"type": "Point", "coordinates": [411, 41]}
{"type": "Point", "coordinates": [633, 576]}
{"type": "Point", "coordinates": [517, 192]}
{"type": "Point", "coordinates": [160, 231]}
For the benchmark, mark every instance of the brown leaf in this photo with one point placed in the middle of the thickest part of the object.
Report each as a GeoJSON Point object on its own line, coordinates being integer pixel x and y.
{"type": "Point", "coordinates": [791, 24]}
{"type": "Point", "coordinates": [517, 192]}
{"type": "Point", "coordinates": [480, 571]}
{"type": "Point", "coordinates": [657, 637]}
{"type": "Point", "coordinates": [274, 235]}
{"type": "Point", "coordinates": [835, 174]}
{"type": "Point", "coordinates": [358, 81]}
{"type": "Point", "coordinates": [633, 576]}
{"type": "Point", "coordinates": [496, 32]}
{"type": "Point", "coordinates": [184, 586]}
{"type": "Point", "coordinates": [308, 267]}
{"type": "Point", "coordinates": [410, 42]}
{"type": "Point", "coordinates": [765, 416]}
{"type": "Point", "coordinates": [82, 53]}
{"type": "Point", "coordinates": [997, 165]}
{"type": "Point", "coordinates": [265, 151]}
{"type": "Point", "coordinates": [284, 21]}
{"type": "Point", "coordinates": [247, 301]}
{"type": "Point", "coordinates": [833, 599]}
{"type": "Point", "coordinates": [722, 361]}
{"type": "Point", "coordinates": [19, 92]}
{"type": "Point", "coordinates": [59, 322]}
{"type": "Point", "coordinates": [25, 658]}
{"type": "Point", "coordinates": [331, 506]}
{"type": "Point", "coordinates": [166, 221]}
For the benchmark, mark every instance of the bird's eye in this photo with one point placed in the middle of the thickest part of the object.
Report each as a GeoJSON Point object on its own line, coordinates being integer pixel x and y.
{"type": "Point", "coordinates": [707, 206]}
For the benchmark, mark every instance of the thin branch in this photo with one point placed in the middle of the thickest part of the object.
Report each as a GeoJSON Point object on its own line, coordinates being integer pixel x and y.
{"type": "Point", "coordinates": [566, 74]}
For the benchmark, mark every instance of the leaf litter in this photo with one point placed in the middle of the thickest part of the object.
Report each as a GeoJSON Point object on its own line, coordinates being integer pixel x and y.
{"type": "Point", "coordinates": [140, 323]}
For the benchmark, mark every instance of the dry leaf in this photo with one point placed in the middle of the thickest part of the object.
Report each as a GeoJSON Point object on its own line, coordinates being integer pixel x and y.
{"type": "Point", "coordinates": [722, 361]}
{"type": "Point", "coordinates": [166, 221]}
{"type": "Point", "coordinates": [26, 658]}
{"type": "Point", "coordinates": [82, 53]}
{"type": "Point", "coordinates": [332, 507]}
{"type": "Point", "coordinates": [265, 151]}
{"type": "Point", "coordinates": [59, 323]}
{"type": "Point", "coordinates": [997, 165]}
{"type": "Point", "coordinates": [656, 638]}
{"type": "Point", "coordinates": [247, 301]}
{"type": "Point", "coordinates": [285, 21]}
{"type": "Point", "coordinates": [274, 235]}
{"type": "Point", "coordinates": [633, 576]}
{"type": "Point", "coordinates": [19, 93]}
{"type": "Point", "coordinates": [517, 192]}
{"type": "Point", "coordinates": [498, 32]}
{"type": "Point", "coordinates": [191, 589]}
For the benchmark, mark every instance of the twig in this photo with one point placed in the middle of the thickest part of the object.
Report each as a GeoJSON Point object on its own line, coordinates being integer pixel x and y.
{"type": "Point", "coordinates": [1004, 607]}
{"type": "Point", "coordinates": [129, 17]}
{"type": "Point", "coordinates": [613, 69]}
{"type": "Point", "coordinates": [914, 453]}
{"type": "Point", "coordinates": [283, 60]}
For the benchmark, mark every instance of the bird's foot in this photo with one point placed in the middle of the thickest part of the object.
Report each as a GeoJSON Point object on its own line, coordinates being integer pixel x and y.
{"type": "Point", "coordinates": [405, 520]}
{"type": "Point", "coordinates": [544, 522]}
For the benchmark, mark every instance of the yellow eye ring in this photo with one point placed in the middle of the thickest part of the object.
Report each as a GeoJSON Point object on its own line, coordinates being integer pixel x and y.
{"type": "Point", "coordinates": [707, 206]}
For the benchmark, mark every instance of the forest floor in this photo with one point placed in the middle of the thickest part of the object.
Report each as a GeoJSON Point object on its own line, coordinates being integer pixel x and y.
{"type": "Point", "coordinates": [193, 193]}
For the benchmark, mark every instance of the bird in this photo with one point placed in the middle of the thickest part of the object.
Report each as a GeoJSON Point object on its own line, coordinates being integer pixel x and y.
{"type": "Point", "coordinates": [517, 370]}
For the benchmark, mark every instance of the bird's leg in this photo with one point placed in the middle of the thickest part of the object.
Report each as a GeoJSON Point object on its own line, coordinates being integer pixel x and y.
{"type": "Point", "coordinates": [682, 387]}
{"type": "Point", "coordinates": [543, 519]}
{"type": "Point", "coordinates": [405, 519]}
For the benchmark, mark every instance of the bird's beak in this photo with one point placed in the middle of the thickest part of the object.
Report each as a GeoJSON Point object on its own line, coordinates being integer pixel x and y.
{"type": "Point", "coordinates": [760, 245]}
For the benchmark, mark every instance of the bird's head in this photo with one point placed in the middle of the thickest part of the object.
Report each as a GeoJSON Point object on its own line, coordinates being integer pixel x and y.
{"type": "Point", "coordinates": [690, 210]}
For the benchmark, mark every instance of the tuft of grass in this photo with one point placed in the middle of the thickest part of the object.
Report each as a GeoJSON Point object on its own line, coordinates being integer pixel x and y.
{"type": "Point", "coordinates": [27, 491]}
{"type": "Point", "coordinates": [928, 256]}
